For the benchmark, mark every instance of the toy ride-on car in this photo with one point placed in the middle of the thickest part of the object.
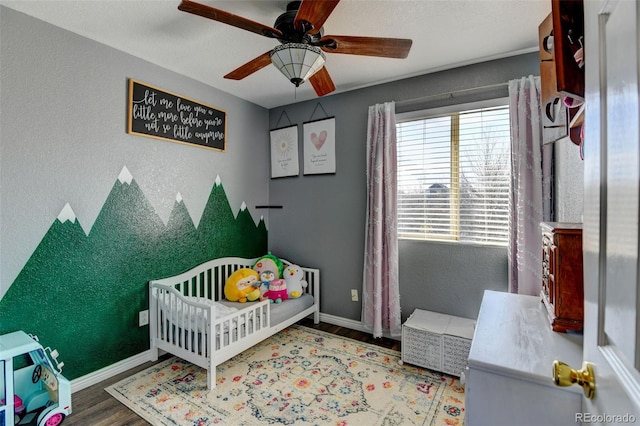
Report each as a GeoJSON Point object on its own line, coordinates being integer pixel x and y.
{"type": "Point", "coordinates": [33, 392]}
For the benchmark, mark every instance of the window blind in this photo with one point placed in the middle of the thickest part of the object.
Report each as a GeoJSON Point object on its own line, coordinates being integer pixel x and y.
{"type": "Point", "coordinates": [453, 176]}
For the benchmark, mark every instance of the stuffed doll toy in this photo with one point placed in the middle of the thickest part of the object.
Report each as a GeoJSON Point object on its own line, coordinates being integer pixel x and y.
{"type": "Point", "coordinates": [294, 277]}
{"type": "Point", "coordinates": [241, 286]}
{"type": "Point", "coordinates": [265, 278]}
{"type": "Point", "coordinates": [269, 262]}
{"type": "Point", "coordinates": [277, 291]}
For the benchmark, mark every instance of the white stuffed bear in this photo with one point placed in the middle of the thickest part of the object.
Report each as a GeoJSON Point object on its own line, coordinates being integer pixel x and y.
{"type": "Point", "coordinates": [294, 278]}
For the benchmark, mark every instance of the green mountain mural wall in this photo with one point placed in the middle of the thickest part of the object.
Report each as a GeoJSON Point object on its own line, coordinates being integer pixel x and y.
{"type": "Point", "coordinates": [81, 294]}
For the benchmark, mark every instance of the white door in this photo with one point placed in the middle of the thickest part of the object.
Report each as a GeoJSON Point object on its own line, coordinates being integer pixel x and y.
{"type": "Point", "coordinates": [611, 207]}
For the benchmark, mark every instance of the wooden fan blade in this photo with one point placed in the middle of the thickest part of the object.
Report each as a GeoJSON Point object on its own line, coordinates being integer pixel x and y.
{"type": "Point", "coordinates": [228, 18]}
{"type": "Point", "coordinates": [314, 12]}
{"type": "Point", "coordinates": [322, 83]}
{"type": "Point", "coordinates": [367, 46]}
{"type": "Point", "coordinates": [250, 67]}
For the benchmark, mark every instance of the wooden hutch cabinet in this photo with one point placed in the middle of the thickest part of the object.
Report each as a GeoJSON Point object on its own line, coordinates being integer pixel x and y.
{"type": "Point", "coordinates": [561, 39]}
{"type": "Point", "coordinates": [562, 275]}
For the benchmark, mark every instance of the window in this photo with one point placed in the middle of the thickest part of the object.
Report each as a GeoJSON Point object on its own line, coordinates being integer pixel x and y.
{"type": "Point", "coordinates": [22, 361]}
{"type": "Point", "coordinates": [454, 174]}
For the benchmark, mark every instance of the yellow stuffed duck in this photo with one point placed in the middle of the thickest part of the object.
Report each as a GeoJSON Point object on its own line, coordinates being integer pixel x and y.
{"type": "Point", "coordinates": [241, 286]}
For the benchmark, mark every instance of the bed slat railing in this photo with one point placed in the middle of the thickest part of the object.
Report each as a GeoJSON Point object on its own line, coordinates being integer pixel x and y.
{"type": "Point", "coordinates": [312, 277]}
{"type": "Point", "coordinates": [179, 322]}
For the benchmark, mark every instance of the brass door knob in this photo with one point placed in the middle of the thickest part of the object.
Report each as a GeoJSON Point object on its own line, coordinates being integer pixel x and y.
{"type": "Point", "coordinates": [564, 375]}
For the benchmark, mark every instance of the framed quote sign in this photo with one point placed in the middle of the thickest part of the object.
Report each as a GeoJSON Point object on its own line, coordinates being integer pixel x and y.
{"type": "Point", "coordinates": [160, 114]}
{"type": "Point", "coordinates": [284, 152]}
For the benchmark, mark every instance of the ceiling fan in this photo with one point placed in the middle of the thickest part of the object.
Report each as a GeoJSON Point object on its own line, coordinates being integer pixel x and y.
{"type": "Point", "coordinates": [300, 56]}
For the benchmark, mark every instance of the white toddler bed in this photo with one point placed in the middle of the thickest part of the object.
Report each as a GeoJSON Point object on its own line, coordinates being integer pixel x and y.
{"type": "Point", "coordinates": [180, 308]}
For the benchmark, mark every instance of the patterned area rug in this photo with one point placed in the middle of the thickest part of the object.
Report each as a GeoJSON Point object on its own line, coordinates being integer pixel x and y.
{"type": "Point", "coordinates": [298, 376]}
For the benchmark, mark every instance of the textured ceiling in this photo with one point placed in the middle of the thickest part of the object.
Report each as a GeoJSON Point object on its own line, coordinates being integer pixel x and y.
{"type": "Point", "coordinates": [445, 34]}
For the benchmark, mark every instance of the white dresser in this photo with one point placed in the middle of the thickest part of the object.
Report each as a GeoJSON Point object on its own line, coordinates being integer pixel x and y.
{"type": "Point", "coordinates": [509, 380]}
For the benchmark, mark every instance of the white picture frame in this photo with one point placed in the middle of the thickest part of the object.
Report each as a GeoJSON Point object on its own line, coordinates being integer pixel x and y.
{"type": "Point", "coordinates": [319, 138]}
{"type": "Point", "coordinates": [284, 152]}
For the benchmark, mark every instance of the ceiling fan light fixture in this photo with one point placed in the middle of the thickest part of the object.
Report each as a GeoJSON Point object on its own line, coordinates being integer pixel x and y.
{"type": "Point", "coordinates": [297, 61]}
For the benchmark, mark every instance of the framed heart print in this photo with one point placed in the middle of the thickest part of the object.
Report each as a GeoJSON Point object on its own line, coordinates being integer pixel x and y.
{"type": "Point", "coordinates": [319, 146]}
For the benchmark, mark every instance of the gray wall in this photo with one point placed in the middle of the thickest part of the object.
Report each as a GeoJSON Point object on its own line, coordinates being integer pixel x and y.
{"type": "Point", "coordinates": [569, 181]}
{"type": "Point", "coordinates": [63, 120]}
{"type": "Point", "coordinates": [323, 217]}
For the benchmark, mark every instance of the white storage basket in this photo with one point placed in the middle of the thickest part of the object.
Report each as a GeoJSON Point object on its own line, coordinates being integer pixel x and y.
{"type": "Point", "coordinates": [437, 341]}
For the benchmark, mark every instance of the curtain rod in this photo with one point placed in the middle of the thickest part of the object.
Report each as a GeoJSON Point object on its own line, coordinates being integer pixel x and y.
{"type": "Point", "coordinates": [452, 93]}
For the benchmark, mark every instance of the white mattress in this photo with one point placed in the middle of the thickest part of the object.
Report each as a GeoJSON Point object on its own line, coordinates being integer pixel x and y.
{"type": "Point", "coordinates": [279, 311]}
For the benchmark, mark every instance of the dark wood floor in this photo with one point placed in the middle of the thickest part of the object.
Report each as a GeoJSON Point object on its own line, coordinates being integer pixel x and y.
{"type": "Point", "coordinates": [94, 406]}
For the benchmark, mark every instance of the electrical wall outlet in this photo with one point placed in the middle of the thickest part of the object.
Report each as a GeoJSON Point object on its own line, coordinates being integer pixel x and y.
{"type": "Point", "coordinates": [354, 295]}
{"type": "Point", "coordinates": [143, 318]}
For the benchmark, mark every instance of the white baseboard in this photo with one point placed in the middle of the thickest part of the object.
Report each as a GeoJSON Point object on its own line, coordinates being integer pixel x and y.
{"type": "Point", "coordinates": [109, 371]}
{"type": "Point", "coordinates": [349, 323]}
{"type": "Point", "coordinates": [136, 360]}
{"type": "Point", "coordinates": [342, 322]}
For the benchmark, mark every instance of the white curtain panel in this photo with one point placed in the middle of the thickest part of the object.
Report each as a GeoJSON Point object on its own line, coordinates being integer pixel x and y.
{"type": "Point", "coordinates": [380, 291]}
{"type": "Point", "coordinates": [530, 200]}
